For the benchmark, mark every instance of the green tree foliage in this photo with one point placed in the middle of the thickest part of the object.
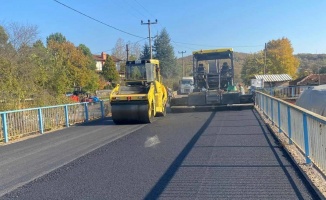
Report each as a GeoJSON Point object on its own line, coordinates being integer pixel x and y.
{"type": "Point", "coordinates": [322, 70]}
{"type": "Point", "coordinates": [253, 65]}
{"type": "Point", "coordinates": [91, 64]}
{"type": "Point", "coordinates": [3, 37]}
{"type": "Point", "coordinates": [145, 54]}
{"type": "Point", "coordinates": [58, 37]}
{"type": "Point", "coordinates": [165, 54]}
{"type": "Point", "coordinates": [310, 63]}
{"type": "Point", "coordinates": [71, 67]}
{"type": "Point", "coordinates": [42, 73]}
{"type": "Point", "coordinates": [109, 70]}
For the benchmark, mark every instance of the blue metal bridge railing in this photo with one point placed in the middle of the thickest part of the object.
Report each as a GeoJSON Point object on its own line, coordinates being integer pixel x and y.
{"type": "Point", "coordinates": [305, 129]}
{"type": "Point", "coordinates": [19, 123]}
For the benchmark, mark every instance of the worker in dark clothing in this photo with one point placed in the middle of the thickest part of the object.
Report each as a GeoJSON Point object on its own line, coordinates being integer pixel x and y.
{"type": "Point", "coordinates": [225, 69]}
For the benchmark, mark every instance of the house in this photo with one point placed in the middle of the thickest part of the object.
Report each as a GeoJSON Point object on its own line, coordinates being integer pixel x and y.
{"type": "Point", "coordinates": [274, 80]}
{"type": "Point", "coordinates": [309, 80]}
{"type": "Point", "coordinates": [100, 60]}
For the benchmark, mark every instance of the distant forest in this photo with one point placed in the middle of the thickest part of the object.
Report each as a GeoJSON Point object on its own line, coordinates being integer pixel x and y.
{"type": "Point", "coordinates": [309, 64]}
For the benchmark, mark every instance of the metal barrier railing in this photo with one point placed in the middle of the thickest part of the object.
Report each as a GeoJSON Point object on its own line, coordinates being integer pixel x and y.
{"type": "Point", "coordinates": [305, 129]}
{"type": "Point", "coordinates": [19, 123]}
{"type": "Point", "coordinates": [284, 91]}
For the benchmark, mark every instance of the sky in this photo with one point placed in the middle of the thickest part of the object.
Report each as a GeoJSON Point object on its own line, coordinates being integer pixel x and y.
{"type": "Point", "coordinates": [244, 25]}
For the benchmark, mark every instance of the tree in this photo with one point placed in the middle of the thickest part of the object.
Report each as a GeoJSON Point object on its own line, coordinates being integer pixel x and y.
{"type": "Point", "coordinates": [3, 37]}
{"type": "Point", "coordinates": [253, 65]}
{"type": "Point", "coordinates": [22, 35]}
{"type": "Point", "coordinates": [109, 70]}
{"type": "Point", "coordinates": [91, 64]}
{"type": "Point", "coordinates": [145, 54]}
{"type": "Point", "coordinates": [71, 68]}
{"type": "Point", "coordinates": [165, 54]}
{"type": "Point", "coordinates": [322, 70]}
{"type": "Point", "coordinates": [119, 50]}
{"type": "Point", "coordinates": [134, 50]}
{"type": "Point", "coordinates": [282, 60]}
{"type": "Point", "coordinates": [279, 60]}
{"type": "Point", "coordinates": [58, 37]}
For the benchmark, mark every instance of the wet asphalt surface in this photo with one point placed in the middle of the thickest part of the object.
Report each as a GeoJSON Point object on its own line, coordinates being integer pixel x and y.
{"type": "Point", "coordinates": [202, 155]}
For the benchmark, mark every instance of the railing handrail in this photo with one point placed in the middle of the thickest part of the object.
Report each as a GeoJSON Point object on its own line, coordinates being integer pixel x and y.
{"type": "Point", "coordinates": [310, 127]}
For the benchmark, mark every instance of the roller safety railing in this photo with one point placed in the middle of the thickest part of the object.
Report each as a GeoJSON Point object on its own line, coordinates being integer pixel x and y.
{"type": "Point", "coordinates": [19, 123]}
{"type": "Point", "coordinates": [305, 129]}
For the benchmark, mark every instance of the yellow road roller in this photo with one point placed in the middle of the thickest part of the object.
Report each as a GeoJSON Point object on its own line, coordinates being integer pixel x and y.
{"type": "Point", "coordinates": [142, 96]}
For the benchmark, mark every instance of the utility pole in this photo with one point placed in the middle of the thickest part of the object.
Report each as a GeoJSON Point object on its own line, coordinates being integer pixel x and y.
{"type": "Point", "coordinates": [319, 75]}
{"type": "Point", "coordinates": [183, 67]}
{"type": "Point", "coordinates": [149, 33]}
{"type": "Point", "coordinates": [127, 49]}
{"type": "Point", "coordinates": [265, 59]}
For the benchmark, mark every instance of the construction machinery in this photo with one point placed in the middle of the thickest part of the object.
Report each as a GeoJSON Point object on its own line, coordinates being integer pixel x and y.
{"type": "Point", "coordinates": [143, 95]}
{"type": "Point", "coordinates": [214, 87]}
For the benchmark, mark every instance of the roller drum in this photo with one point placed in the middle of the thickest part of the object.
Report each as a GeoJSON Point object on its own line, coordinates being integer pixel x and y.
{"type": "Point", "coordinates": [133, 112]}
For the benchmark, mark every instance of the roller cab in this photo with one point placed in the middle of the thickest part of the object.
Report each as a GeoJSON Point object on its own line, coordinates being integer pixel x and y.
{"type": "Point", "coordinates": [142, 97]}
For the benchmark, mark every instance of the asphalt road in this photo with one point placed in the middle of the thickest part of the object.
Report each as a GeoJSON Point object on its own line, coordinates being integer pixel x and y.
{"type": "Point", "coordinates": [202, 155]}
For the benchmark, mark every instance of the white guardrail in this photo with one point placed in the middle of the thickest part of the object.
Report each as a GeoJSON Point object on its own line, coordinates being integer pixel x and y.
{"type": "Point", "coordinates": [305, 129]}
{"type": "Point", "coordinates": [19, 123]}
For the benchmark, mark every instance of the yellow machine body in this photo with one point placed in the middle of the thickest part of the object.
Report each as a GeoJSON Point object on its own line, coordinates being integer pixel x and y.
{"type": "Point", "coordinates": [142, 97]}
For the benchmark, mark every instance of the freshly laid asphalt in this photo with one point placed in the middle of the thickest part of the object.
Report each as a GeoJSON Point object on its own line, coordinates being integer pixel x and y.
{"type": "Point", "coordinates": [200, 155]}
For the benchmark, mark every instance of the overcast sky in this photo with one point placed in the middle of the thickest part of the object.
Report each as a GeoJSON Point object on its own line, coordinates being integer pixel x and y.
{"type": "Point", "coordinates": [244, 25]}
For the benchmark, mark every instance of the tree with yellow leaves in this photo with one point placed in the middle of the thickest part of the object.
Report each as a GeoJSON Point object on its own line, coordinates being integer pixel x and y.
{"type": "Point", "coordinates": [279, 60]}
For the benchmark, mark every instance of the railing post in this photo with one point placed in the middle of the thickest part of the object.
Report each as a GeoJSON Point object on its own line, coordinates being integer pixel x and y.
{"type": "Point", "coordinates": [306, 138]}
{"type": "Point", "coordinates": [40, 120]}
{"type": "Point", "coordinates": [66, 115]}
{"type": "Point", "coordinates": [272, 111]}
{"type": "Point", "coordinates": [102, 108]}
{"type": "Point", "coordinates": [279, 116]}
{"type": "Point", "coordinates": [292, 91]}
{"type": "Point", "coordinates": [86, 111]}
{"type": "Point", "coordinates": [266, 102]}
{"type": "Point", "coordinates": [262, 103]}
{"type": "Point", "coordinates": [4, 127]}
{"type": "Point", "coordinates": [289, 125]}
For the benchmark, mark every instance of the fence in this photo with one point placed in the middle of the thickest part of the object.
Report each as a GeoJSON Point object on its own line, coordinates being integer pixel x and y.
{"type": "Point", "coordinates": [284, 91]}
{"type": "Point", "coordinates": [303, 128]}
{"type": "Point", "coordinates": [19, 123]}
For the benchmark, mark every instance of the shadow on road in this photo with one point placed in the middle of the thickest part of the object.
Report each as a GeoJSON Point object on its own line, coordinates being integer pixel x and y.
{"type": "Point", "coordinates": [159, 187]}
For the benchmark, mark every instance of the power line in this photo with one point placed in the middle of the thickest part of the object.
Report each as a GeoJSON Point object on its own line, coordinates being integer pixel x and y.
{"type": "Point", "coordinates": [175, 42]}
{"type": "Point", "coordinates": [144, 8]}
{"type": "Point", "coordinates": [127, 43]}
{"type": "Point", "coordinates": [133, 9]}
{"type": "Point", "coordinates": [98, 20]}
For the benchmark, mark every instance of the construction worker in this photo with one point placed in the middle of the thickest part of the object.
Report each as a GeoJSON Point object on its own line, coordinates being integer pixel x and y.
{"type": "Point", "coordinates": [241, 89]}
